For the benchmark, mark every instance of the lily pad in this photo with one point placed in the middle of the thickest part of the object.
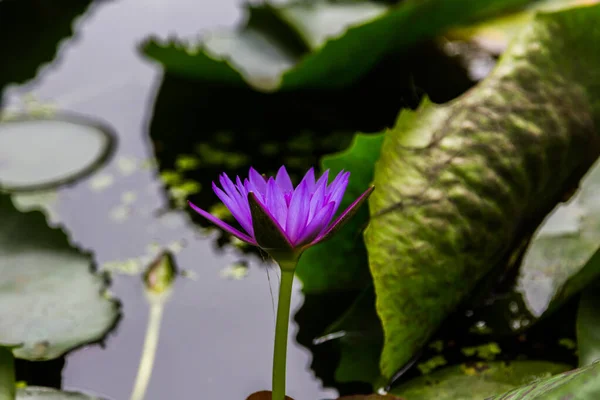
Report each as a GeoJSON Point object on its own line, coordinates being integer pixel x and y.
{"type": "Point", "coordinates": [460, 185]}
{"type": "Point", "coordinates": [578, 384]}
{"type": "Point", "coordinates": [341, 262]}
{"type": "Point", "coordinates": [477, 381]}
{"type": "Point", "coordinates": [42, 393]}
{"type": "Point", "coordinates": [306, 44]}
{"type": "Point", "coordinates": [28, 47]}
{"type": "Point", "coordinates": [50, 299]}
{"type": "Point", "coordinates": [562, 248]}
{"type": "Point", "coordinates": [42, 153]}
{"type": "Point", "coordinates": [494, 35]}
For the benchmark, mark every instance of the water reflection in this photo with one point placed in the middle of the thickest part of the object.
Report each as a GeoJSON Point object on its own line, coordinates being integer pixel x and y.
{"type": "Point", "coordinates": [217, 334]}
{"type": "Point", "coordinates": [201, 128]}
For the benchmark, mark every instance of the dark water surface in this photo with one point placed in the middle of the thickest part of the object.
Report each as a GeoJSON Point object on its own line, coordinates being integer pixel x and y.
{"type": "Point", "coordinates": [217, 333]}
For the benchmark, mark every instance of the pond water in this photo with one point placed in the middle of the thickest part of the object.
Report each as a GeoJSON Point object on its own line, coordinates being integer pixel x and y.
{"type": "Point", "coordinates": [175, 135]}
{"type": "Point", "coordinates": [217, 334]}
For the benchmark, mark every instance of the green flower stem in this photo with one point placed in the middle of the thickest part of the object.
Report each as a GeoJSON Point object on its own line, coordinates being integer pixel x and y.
{"type": "Point", "coordinates": [149, 351]}
{"type": "Point", "coordinates": [281, 333]}
{"type": "Point", "coordinates": [7, 374]}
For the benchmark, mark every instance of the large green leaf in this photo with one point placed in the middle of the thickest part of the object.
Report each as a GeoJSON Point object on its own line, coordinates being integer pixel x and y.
{"type": "Point", "coordinates": [42, 393]}
{"type": "Point", "coordinates": [50, 300]}
{"type": "Point", "coordinates": [476, 381]}
{"type": "Point", "coordinates": [307, 44]}
{"type": "Point", "coordinates": [341, 262]}
{"type": "Point", "coordinates": [460, 185]}
{"type": "Point", "coordinates": [578, 384]}
{"type": "Point", "coordinates": [26, 47]}
{"type": "Point", "coordinates": [588, 325]}
{"type": "Point", "coordinates": [26, 162]}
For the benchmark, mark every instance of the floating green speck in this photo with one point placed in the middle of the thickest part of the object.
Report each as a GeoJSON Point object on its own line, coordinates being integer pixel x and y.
{"type": "Point", "coordinates": [128, 197]}
{"type": "Point", "coordinates": [176, 246]}
{"type": "Point", "coordinates": [431, 364]}
{"type": "Point", "coordinates": [169, 177]}
{"type": "Point", "coordinates": [149, 163]}
{"type": "Point", "coordinates": [186, 162]}
{"type": "Point", "coordinates": [190, 187]}
{"type": "Point", "coordinates": [101, 182]}
{"type": "Point", "coordinates": [131, 266]}
{"type": "Point", "coordinates": [438, 345]}
{"type": "Point", "coordinates": [239, 243]}
{"type": "Point", "coordinates": [480, 328]}
{"type": "Point", "coordinates": [474, 369]}
{"type": "Point", "coordinates": [213, 156]}
{"type": "Point", "coordinates": [236, 271]}
{"type": "Point", "coordinates": [220, 211]}
{"type": "Point", "coordinates": [127, 165]}
{"type": "Point", "coordinates": [182, 191]}
{"type": "Point", "coordinates": [487, 351]}
{"type": "Point", "coordinates": [568, 343]}
{"type": "Point", "coordinates": [120, 213]}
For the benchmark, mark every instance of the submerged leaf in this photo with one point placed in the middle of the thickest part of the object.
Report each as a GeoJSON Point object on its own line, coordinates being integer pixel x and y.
{"type": "Point", "coordinates": [459, 185]}
{"type": "Point", "coordinates": [476, 381]}
{"type": "Point", "coordinates": [341, 262]}
{"type": "Point", "coordinates": [578, 384]}
{"type": "Point", "coordinates": [50, 299]}
{"type": "Point", "coordinates": [359, 337]}
{"type": "Point", "coordinates": [41, 153]}
{"type": "Point", "coordinates": [43, 393]}
{"type": "Point", "coordinates": [306, 44]}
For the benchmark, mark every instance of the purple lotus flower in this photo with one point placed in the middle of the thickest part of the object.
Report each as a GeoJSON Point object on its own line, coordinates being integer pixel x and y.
{"type": "Point", "coordinates": [279, 218]}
